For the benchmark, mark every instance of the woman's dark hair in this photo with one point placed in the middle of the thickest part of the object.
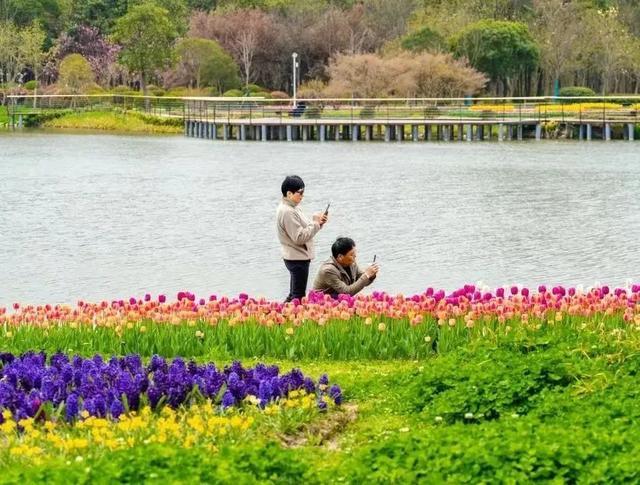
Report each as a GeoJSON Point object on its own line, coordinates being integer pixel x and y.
{"type": "Point", "coordinates": [292, 183]}
{"type": "Point", "coordinates": [342, 246]}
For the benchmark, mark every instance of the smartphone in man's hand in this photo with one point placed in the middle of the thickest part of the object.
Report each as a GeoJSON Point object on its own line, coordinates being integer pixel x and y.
{"type": "Point", "coordinates": [326, 211]}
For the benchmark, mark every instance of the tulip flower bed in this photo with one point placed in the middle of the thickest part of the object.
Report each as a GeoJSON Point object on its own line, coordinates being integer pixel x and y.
{"type": "Point", "coordinates": [379, 326]}
{"type": "Point", "coordinates": [510, 385]}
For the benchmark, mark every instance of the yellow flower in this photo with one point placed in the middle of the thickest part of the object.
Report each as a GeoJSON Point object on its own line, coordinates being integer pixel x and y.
{"type": "Point", "coordinates": [382, 327]}
{"type": "Point", "coordinates": [289, 331]}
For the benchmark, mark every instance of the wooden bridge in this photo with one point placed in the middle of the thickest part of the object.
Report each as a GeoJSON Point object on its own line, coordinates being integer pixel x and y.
{"type": "Point", "coordinates": [416, 119]}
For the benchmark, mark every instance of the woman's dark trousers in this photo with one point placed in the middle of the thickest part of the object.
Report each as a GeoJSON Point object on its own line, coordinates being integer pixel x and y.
{"type": "Point", "coordinates": [299, 271]}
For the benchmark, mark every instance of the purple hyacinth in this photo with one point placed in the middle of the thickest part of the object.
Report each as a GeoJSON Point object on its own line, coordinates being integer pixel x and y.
{"type": "Point", "coordinates": [116, 409]}
{"type": "Point", "coordinates": [336, 394]}
{"type": "Point", "coordinates": [71, 407]}
{"type": "Point", "coordinates": [98, 386]}
{"type": "Point", "coordinates": [228, 400]}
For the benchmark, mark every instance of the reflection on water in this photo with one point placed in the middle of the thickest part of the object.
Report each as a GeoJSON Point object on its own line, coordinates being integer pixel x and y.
{"type": "Point", "coordinates": [101, 216]}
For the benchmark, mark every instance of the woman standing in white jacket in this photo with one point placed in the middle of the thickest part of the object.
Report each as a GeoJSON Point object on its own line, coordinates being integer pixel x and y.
{"type": "Point", "coordinates": [296, 232]}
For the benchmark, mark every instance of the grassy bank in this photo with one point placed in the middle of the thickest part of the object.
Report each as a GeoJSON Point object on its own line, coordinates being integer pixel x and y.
{"type": "Point", "coordinates": [553, 401]}
{"type": "Point", "coordinates": [112, 121]}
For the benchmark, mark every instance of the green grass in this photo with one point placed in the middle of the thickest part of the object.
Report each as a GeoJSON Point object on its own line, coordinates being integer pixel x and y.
{"type": "Point", "coordinates": [112, 121]}
{"type": "Point", "coordinates": [555, 404]}
{"type": "Point", "coordinates": [383, 338]}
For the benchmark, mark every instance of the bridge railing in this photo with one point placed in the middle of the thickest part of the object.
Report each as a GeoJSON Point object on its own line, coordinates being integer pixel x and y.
{"type": "Point", "coordinates": [515, 109]}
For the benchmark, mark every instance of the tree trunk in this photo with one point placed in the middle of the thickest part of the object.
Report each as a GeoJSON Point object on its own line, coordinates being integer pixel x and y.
{"type": "Point", "coordinates": [143, 85]}
{"type": "Point", "coordinates": [35, 89]}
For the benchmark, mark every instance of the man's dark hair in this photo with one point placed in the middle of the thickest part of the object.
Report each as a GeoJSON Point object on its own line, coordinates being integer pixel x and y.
{"type": "Point", "coordinates": [292, 183]}
{"type": "Point", "coordinates": [342, 246]}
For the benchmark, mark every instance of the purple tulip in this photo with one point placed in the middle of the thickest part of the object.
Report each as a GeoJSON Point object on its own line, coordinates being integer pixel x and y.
{"type": "Point", "coordinates": [162, 298]}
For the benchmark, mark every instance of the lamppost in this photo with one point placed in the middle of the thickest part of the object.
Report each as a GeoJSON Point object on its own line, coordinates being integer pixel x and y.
{"type": "Point", "coordinates": [295, 67]}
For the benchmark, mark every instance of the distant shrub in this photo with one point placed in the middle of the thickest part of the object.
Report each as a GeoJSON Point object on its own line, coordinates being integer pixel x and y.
{"type": "Point", "coordinates": [232, 93]}
{"type": "Point", "coordinates": [573, 91]}
{"type": "Point", "coordinates": [31, 85]}
{"type": "Point", "coordinates": [279, 95]}
{"type": "Point", "coordinates": [125, 90]}
{"type": "Point", "coordinates": [254, 88]}
{"type": "Point", "coordinates": [312, 89]}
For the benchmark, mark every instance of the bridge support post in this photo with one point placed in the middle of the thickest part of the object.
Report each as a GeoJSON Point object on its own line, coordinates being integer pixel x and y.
{"type": "Point", "coordinates": [399, 132]}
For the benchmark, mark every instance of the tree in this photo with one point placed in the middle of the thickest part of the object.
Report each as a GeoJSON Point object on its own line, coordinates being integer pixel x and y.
{"type": "Point", "coordinates": [388, 18]}
{"type": "Point", "coordinates": [204, 62]}
{"type": "Point", "coordinates": [92, 45]}
{"type": "Point", "coordinates": [25, 12]}
{"type": "Point", "coordinates": [557, 28]}
{"type": "Point", "coordinates": [76, 74]}
{"type": "Point", "coordinates": [10, 59]}
{"type": "Point", "coordinates": [406, 75]}
{"type": "Point", "coordinates": [252, 37]}
{"type": "Point", "coordinates": [31, 41]}
{"type": "Point", "coordinates": [501, 49]}
{"type": "Point", "coordinates": [147, 38]}
{"type": "Point", "coordinates": [441, 76]}
{"type": "Point", "coordinates": [177, 10]}
{"type": "Point", "coordinates": [605, 45]}
{"type": "Point", "coordinates": [220, 71]}
{"type": "Point", "coordinates": [423, 39]}
{"type": "Point", "coordinates": [101, 14]}
{"type": "Point", "coordinates": [203, 5]}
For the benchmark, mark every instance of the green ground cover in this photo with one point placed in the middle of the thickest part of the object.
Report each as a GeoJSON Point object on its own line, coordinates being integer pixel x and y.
{"type": "Point", "coordinates": [114, 121]}
{"type": "Point", "coordinates": [553, 402]}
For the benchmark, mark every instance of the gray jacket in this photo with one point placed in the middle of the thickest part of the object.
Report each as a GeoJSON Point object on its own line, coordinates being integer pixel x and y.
{"type": "Point", "coordinates": [334, 279]}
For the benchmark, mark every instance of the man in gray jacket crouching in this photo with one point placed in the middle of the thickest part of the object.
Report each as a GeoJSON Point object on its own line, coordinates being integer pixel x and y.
{"type": "Point", "coordinates": [341, 274]}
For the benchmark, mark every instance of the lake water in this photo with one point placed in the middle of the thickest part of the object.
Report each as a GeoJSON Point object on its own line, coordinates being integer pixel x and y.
{"type": "Point", "coordinates": [96, 216]}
